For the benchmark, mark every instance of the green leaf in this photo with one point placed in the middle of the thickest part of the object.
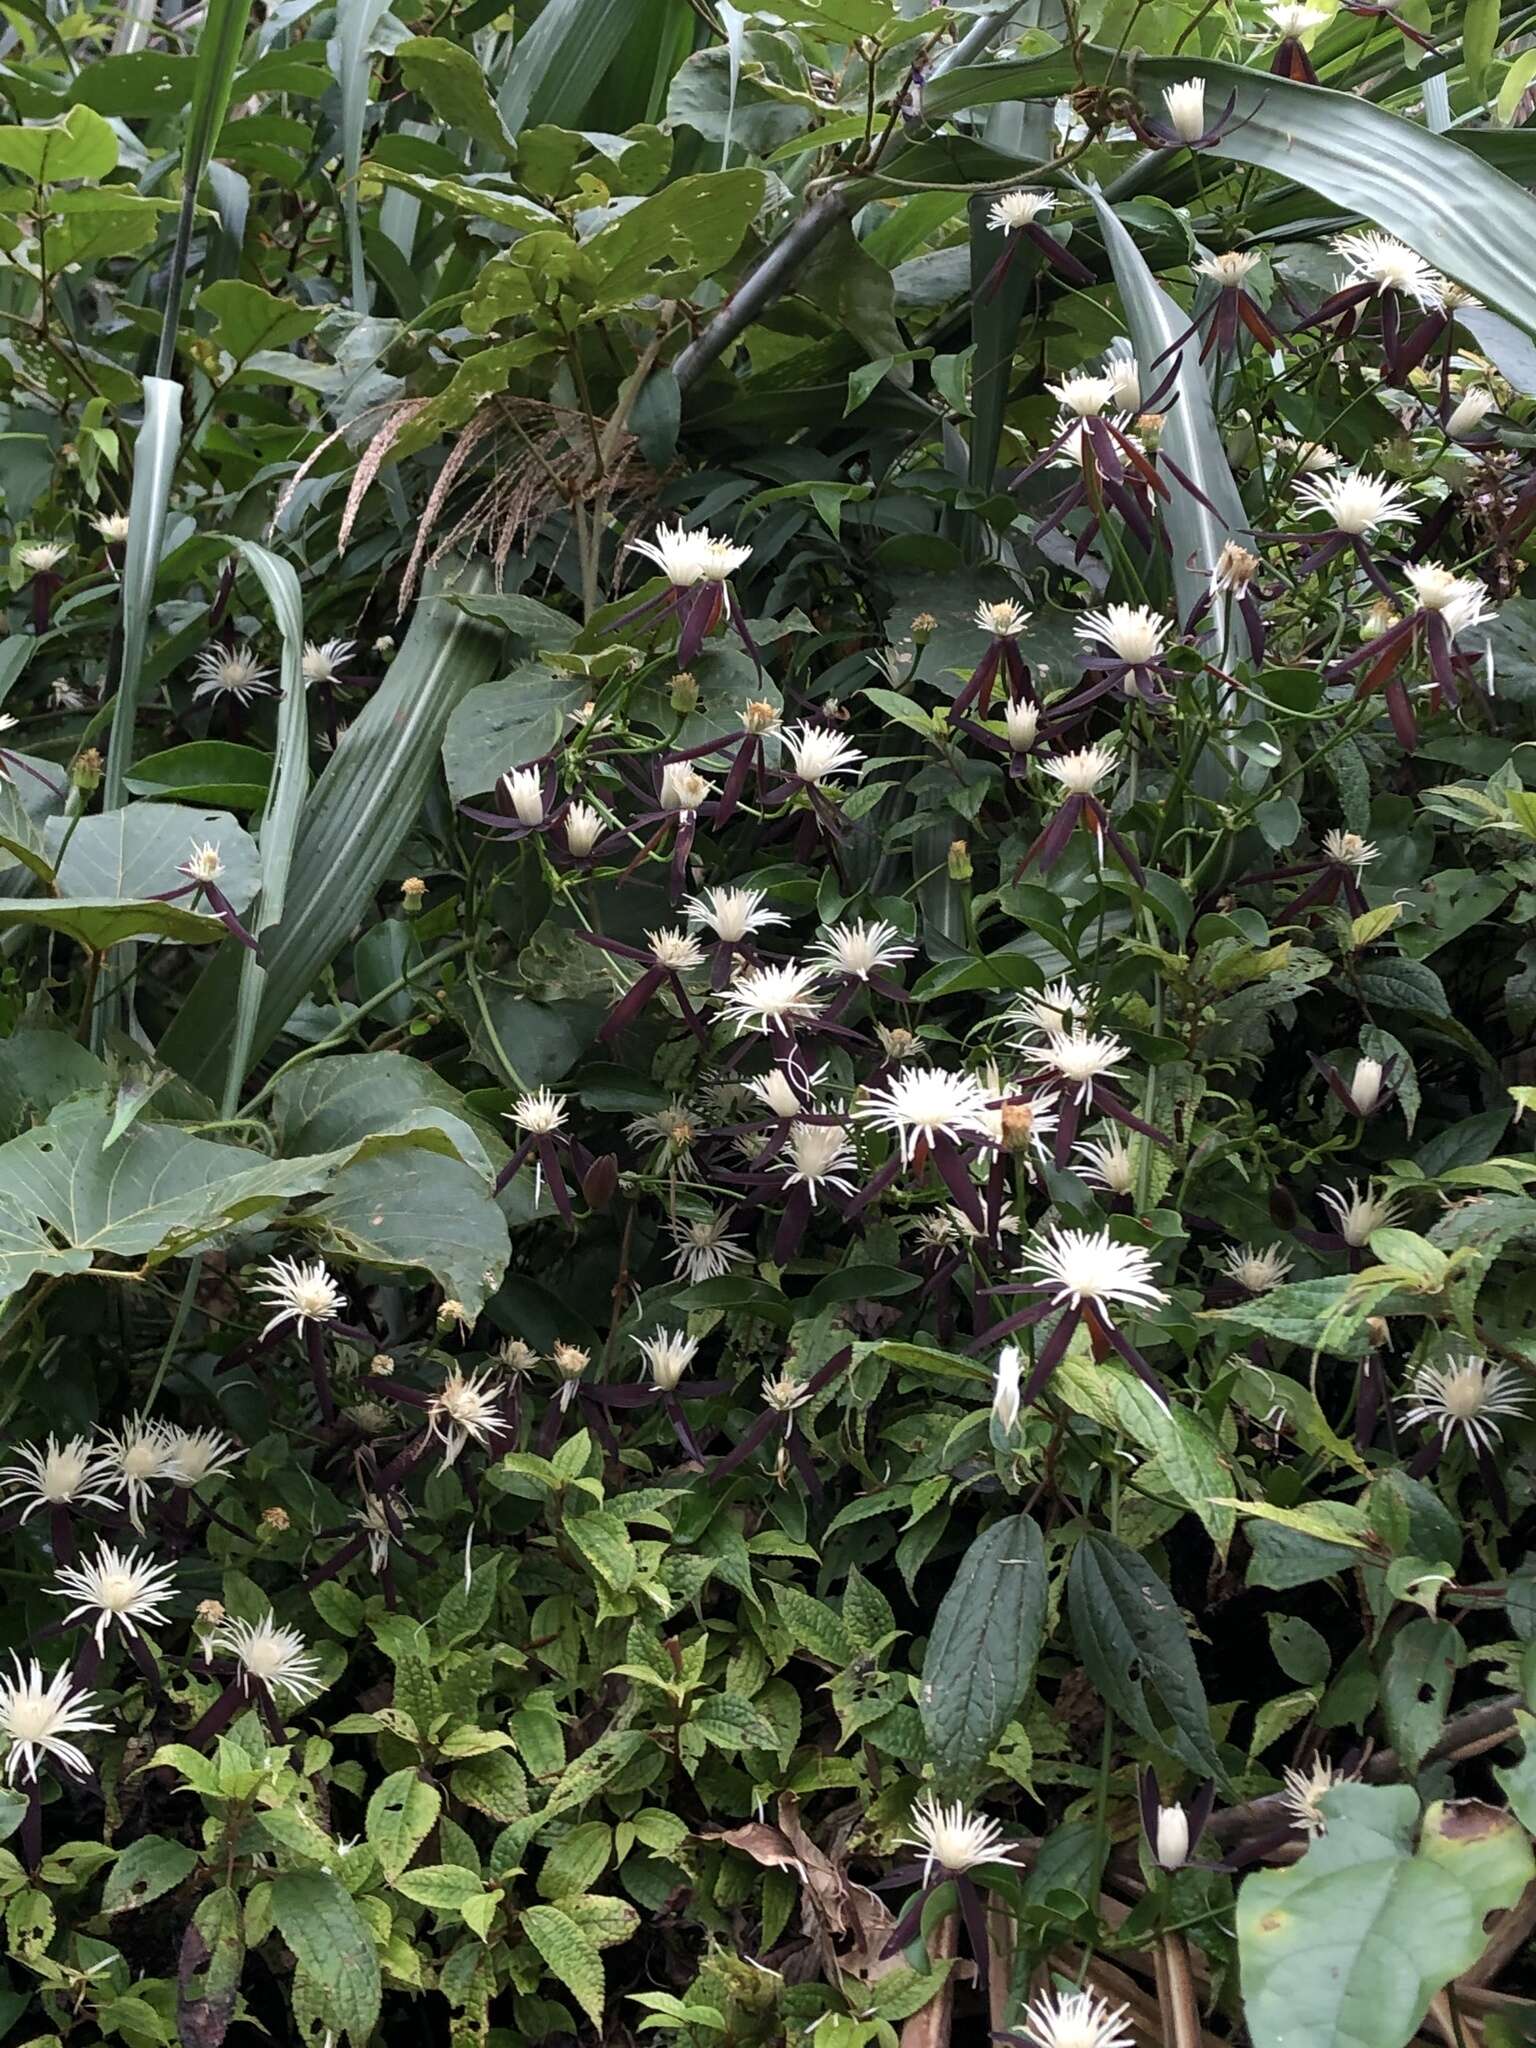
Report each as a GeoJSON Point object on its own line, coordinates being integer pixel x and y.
{"type": "Point", "coordinates": [572, 1955]}
{"type": "Point", "coordinates": [577, 1860]}
{"type": "Point", "coordinates": [102, 923]}
{"type": "Point", "coordinates": [214, 772]}
{"type": "Point", "coordinates": [247, 319]}
{"type": "Point", "coordinates": [353, 820]}
{"type": "Point", "coordinates": [65, 1197]}
{"type": "Point", "coordinates": [453, 85]}
{"type": "Point", "coordinates": [414, 1210]}
{"type": "Point", "coordinates": [1134, 1646]}
{"type": "Point", "coordinates": [732, 1723]}
{"type": "Point", "coordinates": [79, 144]}
{"type": "Point", "coordinates": [442, 1886]}
{"type": "Point", "coordinates": [1316, 1315]}
{"type": "Point", "coordinates": [147, 1868]}
{"type": "Point", "coordinates": [210, 1966]}
{"type": "Point", "coordinates": [986, 1637]}
{"type": "Point", "coordinates": [504, 725]}
{"type": "Point", "coordinates": [1199, 522]}
{"type": "Point", "coordinates": [331, 1941]}
{"type": "Point", "coordinates": [352, 1097]}
{"type": "Point", "coordinates": [1416, 1686]}
{"type": "Point", "coordinates": [1347, 1947]}
{"type": "Point", "coordinates": [136, 852]}
{"type": "Point", "coordinates": [401, 1814]}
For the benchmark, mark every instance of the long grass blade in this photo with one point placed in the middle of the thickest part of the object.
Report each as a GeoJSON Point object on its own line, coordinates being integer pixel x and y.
{"type": "Point", "coordinates": [280, 823]}
{"type": "Point", "coordinates": [154, 466]}
{"type": "Point", "coordinates": [352, 823]}
{"type": "Point", "coordinates": [1190, 436]}
{"type": "Point", "coordinates": [351, 59]}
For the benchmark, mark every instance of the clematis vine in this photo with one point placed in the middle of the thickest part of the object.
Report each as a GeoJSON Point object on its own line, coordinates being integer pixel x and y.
{"type": "Point", "coordinates": [1084, 1275]}
{"type": "Point", "coordinates": [698, 566]}
{"type": "Point", "coordinates": [1020, 216]}
{"type": "Point", "coordinates": [1080, 775]}
{"type": "Point", "coordinates": [783, 1397]}
{"type": "Point", "coordinates": [1446, 606]}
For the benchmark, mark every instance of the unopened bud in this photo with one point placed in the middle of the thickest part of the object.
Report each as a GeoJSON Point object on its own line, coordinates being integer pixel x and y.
{"type": "Point", "coordinates": [599, 1182]}
{"type": "Point", "coordinates": [959, 860]}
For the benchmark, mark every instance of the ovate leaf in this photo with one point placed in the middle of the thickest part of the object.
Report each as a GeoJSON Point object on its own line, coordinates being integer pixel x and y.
{"type": "Point", "coordinates": [986, 1637]}
{"type": "Point", "coordinates": [1134, 1646]}
{"type": "Point", "coordinates": [332, 1943]}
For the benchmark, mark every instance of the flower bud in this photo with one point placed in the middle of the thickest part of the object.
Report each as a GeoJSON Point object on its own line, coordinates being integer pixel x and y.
{"type": "Point", "coordinates": [1017, 1120]}
{"type": "Point", "coordinates": [959, 860]}
{"type": "Point", "coordinates": [1172, 1845]}
{"type": "Point", "coordinates": [1005, 1389]}
{"type": "Point", "coordinates": [1365, 1090]}
{"type": "Point", "coordinates": [87, 769]}
{"type": "Point", "coordinates": [924, 626]}
{"type": "Point", "coordinates": [599, 1182]}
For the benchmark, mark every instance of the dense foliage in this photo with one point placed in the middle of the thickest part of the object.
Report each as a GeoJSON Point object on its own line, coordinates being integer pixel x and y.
{"type": "Point", "coordinates": [768, 977]}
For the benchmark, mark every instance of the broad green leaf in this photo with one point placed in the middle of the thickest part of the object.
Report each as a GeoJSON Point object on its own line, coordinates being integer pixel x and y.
{"type": "Point", "coordinates": [350, 1097]}
{"type": "Point", "coordinates": [572, 1955]}
{"type": "Point", "coordinates": [1136, 1649]}
{"type": "Point", "coordinates": [247, 319]}
{"type": "Point", "coordinates": [137, 852]}
{"type": "Point", "coordinates": [1347, 1947]}
{"type": "Point", "coordinates": [332, 1943]}
{"type": "Point", "coordinates": [156, 1192]}
{"type": "Point", "coordinates": [986, 1637]}
{"type": "Point", "coordinates": [401, 1814]}
{"type": "Point", "coordinates": [216, 772]}
{"type": "Point", "coordinates": [506, 724]}
{"type": "Point", "coordinates": [101, 922]}
{"type": "Point", "coordinates": [413, 1209]}
{"type": "Point", "coordinates": [453, 85]}
{"type": "Point", "coordinates": [79, 144]}
{"type": "Point", "coordinates": [147, 1868]}
{"type": "Point", "coordinates": [1316, 1315]}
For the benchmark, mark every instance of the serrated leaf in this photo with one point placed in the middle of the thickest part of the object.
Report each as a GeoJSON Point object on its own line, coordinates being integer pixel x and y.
{"type": "Point", "coordinates": [986, 1638]}
{"type": "Point", "coordinates": [442, 1886]}
{"type": "Point", "coordinates": [401, 1814]}
{"type": "Point", "coordinates": [332, 1943]}
{"type": "Point", "coordinates": [146, 1870]}
{"type": "Point", "coordinates": [572, 1955]}
{"type": "Point", "coordinates": [1136, 1649]}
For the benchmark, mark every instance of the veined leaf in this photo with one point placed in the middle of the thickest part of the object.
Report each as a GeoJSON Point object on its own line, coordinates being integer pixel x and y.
{"type": "Point", "coordinates": [986, 1637]}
